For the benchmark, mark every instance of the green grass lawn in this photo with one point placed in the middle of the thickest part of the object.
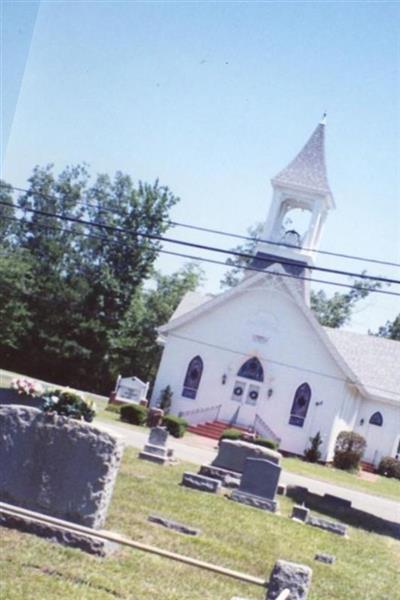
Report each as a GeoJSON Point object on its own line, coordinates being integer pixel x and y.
{"type": "Point", "coordinates": [232, 535]}
{"type": "Point", "coordinates": [382, 486]}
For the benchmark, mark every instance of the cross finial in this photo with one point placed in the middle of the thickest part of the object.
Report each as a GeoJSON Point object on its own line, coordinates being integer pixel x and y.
{"type": "Point", "coordinates": [323, 119]}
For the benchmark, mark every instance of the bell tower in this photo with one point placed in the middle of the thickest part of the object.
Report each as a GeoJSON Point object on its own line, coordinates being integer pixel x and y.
{"type": "Point", "coordinates": [300, 204]}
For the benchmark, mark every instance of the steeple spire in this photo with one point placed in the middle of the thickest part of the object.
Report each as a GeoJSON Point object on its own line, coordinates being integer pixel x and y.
{"type": "Point", "coordinates": [307, 170]}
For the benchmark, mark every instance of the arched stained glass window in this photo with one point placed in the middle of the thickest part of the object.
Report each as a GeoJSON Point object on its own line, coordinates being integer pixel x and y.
{"type": "Point", "coordinates": [252, 369]}
{"type": "Point", "coordinates": [376, 419]}
{"type": "Point", "coordinates": [300, 405]}
{"type": "Point", "coordinates": [192, 378]}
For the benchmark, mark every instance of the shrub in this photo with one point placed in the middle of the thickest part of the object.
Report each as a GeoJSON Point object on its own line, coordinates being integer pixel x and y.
{"type": "Point", "coordinates": [235, 434]}
{"type": "Point", "coordinates": [389, 467]}
{"type": "Point", "coordinates": [266, 443]}
{"type": "Point", "coordinates": [166, 399]}
{"type": "Point", "coordinates": [349, 449]}
{"type": "Point", "coordinates": [176, 426]}
{"type": "Point", "coordinates": [136, 414]}
{"type": "Point", "coordinates": [230, 434]}
{"type": "Point", "coordinates": [114, 408]}
{"type": "Point", "coordinates": [69, 404]}
{"type": "Point", "coordinates": [313, 454]}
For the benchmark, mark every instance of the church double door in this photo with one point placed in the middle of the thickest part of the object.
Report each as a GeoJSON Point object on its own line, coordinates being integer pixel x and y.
{"type": "Point", "coordinates": [243, 401]}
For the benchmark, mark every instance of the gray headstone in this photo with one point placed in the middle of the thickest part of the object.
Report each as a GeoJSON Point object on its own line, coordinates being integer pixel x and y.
{"type": "Point", "coordinates": [328, 559]}
{"type": "Point", "coordinates": [300, 513]}
{"type": "Point", "coordinates": [158, 436]}
{"type": "Point", "coordinates": [200, 482]}
{"type": "Point", "coordinates": [331, 526]}
{"type": "Point", "coordinates": [260, 477]}
{"type": "Point", "coordinates": [57, 465]}
{"type": "Point", "coordinates": [291, 576]}
{"type": "Point", "coordinates": [232, 455]}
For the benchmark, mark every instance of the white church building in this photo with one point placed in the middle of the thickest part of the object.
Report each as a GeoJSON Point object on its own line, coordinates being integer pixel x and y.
{"type": "Point", "coordinates": [257, 357]}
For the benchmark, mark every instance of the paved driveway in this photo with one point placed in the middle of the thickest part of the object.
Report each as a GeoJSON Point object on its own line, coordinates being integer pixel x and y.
{"type": "Point", "coordinates": [199, 450]}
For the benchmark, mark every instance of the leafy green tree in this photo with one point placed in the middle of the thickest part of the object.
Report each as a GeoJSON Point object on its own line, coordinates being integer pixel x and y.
{"type": "Point", "coordinates": [336, 311]}
{"type": "Point", "coordinates": [134, 347]}
{"type": "Point", "coordinates": [391, 329]}
{"type": "Point", "coordinates": [85, 276]}
{"type": "Point", "coordinates": [236, 272]}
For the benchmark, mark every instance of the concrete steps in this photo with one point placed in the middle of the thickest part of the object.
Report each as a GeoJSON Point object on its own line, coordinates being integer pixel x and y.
{"type": "Point", "coordinates": [212, 429]}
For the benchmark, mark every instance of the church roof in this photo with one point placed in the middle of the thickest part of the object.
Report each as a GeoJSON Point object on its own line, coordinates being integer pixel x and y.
{"type": "Point", "coordinates": [374, 360]}
{"type": "Point", "coordinates": [308, 169]}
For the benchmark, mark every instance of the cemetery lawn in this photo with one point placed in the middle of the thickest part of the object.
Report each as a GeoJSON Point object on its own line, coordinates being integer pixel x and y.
{"type": "Point", "coordinates": [382, 486]}
{"type": "Point", "coordinates": [232, 535]}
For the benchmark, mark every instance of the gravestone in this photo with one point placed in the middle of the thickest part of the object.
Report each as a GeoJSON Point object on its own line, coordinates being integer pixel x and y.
{"type": "Point", "coordinates": [56, 465]}
{"type": "Point", "coordinates": [232, 455]}
{"type": "Point", "coordinates": [259, 484]}
{"type": "Point", "coordinates": [331, 526]}
{"type": "Point", "coordinates": [300, 513]}
{"type": "Point", "coordinates": [156, 448]}
{"type": "Point", "coordinates": [289, 576]}
{"type": "Point", "coordinates": [201, 483]}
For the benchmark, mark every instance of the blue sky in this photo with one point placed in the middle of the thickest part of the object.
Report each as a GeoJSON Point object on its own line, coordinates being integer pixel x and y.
{"type": "Point", "coordinates": [214, 99]}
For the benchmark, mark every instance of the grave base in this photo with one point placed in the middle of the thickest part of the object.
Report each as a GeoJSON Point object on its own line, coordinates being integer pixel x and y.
{"type": "Point", "coordinates": [229, 479]}
{"type": "Point", "coordinates": [50, 532]}
{"type": "Point", "coordinates": [200, 482]}
{"type": "Point", "coordinates": [256, 501]}
{"type": "Point", "coordinates": [157, 454]}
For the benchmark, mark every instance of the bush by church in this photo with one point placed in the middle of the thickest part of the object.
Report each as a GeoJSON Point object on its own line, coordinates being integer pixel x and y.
{"type": "Point", "coordinates": [389, 467]}
{"type": "Point", "coordinates": [349, 450]}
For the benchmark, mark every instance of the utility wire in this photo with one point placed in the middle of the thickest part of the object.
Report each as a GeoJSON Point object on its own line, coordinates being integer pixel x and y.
{"type": "Point", "coordinates": [279, 363]}
{"type": "Point", "coordinates": [215, 346]}
{"type": "Point", "coordinates": [209, 260]}
{"type": "Point", "coordinates": [198, 246]}
{"type": "Point", "coordinates": [215, 231]}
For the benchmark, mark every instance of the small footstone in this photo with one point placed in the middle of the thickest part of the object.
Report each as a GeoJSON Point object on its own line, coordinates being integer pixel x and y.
{"type": "Point", "coordinates": [180, 527]}
{"type": "Point", "coordinates": [328, 559]}
{"type": "Point", "coordinates": [291, 576]}
{"type": "Point", "coordinates": [300, 513]}
{"type": "Point", "coordinates": [200, 482]}
{"type": "Point", "coordinates": [255, 501]}
{"type": "Point", "coordinates": [331, 526]}
{"type": "Point", "coordinates": [281, 489]}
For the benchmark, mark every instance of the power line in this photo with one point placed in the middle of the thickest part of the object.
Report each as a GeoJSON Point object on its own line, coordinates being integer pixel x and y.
{"type": "Point", "coordinates": [279, 363]}
{"type": "Point", "coordinates": [198, 246]}
{"type": "Point", "coordinates": [216, 231]}
{"type": "Point", "coordinates": [210, 260]}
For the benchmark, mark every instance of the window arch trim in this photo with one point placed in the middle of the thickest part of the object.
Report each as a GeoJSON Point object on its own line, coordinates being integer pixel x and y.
{"type": "Point", "coordinates": [252, 369]}
{"type": "Point", "coordinates": [376, 419]}
{"type": "Point", "coordinates": [301, 402]}
{"type": "Point", "coordinates": [192, 379]}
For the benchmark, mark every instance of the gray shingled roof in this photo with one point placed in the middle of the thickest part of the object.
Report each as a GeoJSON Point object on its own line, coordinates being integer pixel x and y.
{"type": "Point", "coordinates": [374, 360]}
{"type": "Point", "coordinates": [308, 169]}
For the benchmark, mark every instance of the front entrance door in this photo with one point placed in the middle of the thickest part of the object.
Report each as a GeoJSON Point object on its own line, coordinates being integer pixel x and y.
{"type": "Point", "coordinates": [245, 395]}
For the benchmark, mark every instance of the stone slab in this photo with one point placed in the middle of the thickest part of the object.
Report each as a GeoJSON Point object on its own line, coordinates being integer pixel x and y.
{"type": "Point", "coordinates": [260, 478]}
{"type": "Point", "coordinates": [300, 513]}
{"type": "Point", "coordinates": [281, 489]}
{"type": "Point", "coordinates": [232, 455]}
{"type": "Point", "coordinates": [56, 465]}
{"type": "Point", "coordinates": [174, 525]}
{"type": "Point", "coordinates": [328, 559]}
{"type": "Point", "coordinates": [155, 458]}
{"type": "Point", "coordinates": [228, 478]}
{"type": "Point", "coordinates": [72, 539]}
{"type": "Point", "coordinates": [200, 482]}
{"type": "Point", "coordinates": [291, 576]}
{"type": "Point", "coordinates": [331, 526]}
{"type": "Point", "coordinates": [255, 501]}
{"type": "Point", "coordinates": [158, 450]}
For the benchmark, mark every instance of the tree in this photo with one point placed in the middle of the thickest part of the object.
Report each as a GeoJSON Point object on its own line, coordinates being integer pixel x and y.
{"type": "Point", "coordinates": [334, 311]}
{"type": "Point", "coordinates": [313, 453]}
{"type": "Point", "coordinates": [85, 275]}
{"type": "Point", "coordinates": [391, 329]}
{"type": "Point", "coordinates": [134, 347]}
{"type": "Point", "coordinates": [235, 274]}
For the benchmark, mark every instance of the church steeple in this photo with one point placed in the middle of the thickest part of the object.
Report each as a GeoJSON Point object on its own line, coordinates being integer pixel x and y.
{"type": "Point", "coordinates": [301, 201]}
{"type": "Point", "coordinates": [307, 170]}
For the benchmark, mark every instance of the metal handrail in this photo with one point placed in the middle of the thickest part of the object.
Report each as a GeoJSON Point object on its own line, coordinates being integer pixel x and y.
{"type": "Point", "coordinates": [200, 411]}
{"type": "Point", "coordinates": [268, 432]}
